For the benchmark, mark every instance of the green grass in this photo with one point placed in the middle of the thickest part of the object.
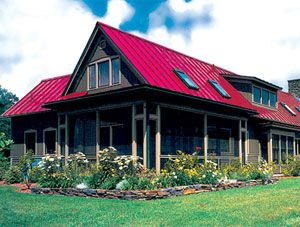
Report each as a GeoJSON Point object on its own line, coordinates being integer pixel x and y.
{"type": "Point", "coordinates": [272, 205]}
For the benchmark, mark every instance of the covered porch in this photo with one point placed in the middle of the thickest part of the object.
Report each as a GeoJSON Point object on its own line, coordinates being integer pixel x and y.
{"type": "Point", "coordinates": [153, 131]}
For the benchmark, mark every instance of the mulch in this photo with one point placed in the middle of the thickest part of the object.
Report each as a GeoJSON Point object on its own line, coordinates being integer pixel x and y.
{"type": "Point", "coordinates": [21, 187]}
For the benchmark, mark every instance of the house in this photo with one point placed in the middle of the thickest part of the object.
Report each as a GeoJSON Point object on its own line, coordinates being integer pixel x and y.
{"type": "Point", "coordinates": [148, 100]}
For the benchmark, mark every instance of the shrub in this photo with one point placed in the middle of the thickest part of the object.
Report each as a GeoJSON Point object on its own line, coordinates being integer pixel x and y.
{"type": "Point", "coordinates": [13, 175]}
{"type": "Point", "coordinates": [209, 173]}
{"type": "Point", "coordinates": [35, 174]}
{"type": "Point", "coordinates": [4, 165]}
{"type": "Point", "coordinates": [292, 166]}
{"type": "Point", "coordinates": [96, 179]}
{"type": "Point", "coordinates": [54, 175]}
{"type": "Point", "coordinates": [110, 183]}
{"type": "Point", "coordinates": [113, 165]}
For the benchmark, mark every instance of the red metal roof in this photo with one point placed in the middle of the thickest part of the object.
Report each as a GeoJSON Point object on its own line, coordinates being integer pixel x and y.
{"type": "Point", "coordinates": [156, 64]}
{"type": "Point", "coordinates": [47, 90]}
{"type": "Point", "coordinates": [281, 114]}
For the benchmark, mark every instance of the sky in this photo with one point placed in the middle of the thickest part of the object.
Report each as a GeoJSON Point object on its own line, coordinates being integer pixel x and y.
{"type": "Point", "coordinates": [41, 39]}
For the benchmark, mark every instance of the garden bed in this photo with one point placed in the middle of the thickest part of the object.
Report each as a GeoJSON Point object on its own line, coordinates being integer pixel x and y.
{"type": "Point", "coordinates": [149, 194]}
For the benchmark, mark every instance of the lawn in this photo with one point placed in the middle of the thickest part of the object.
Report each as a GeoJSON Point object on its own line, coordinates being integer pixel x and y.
{"type": "Point", "coordinates": [272, 205]}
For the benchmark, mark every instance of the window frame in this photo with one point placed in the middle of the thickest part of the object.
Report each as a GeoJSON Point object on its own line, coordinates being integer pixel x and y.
{"type": "Point", "coordinates": [44, 141]}
{"type": "Point", "coordinates": [288, 109]}
{"type": "Point", "coordinates": [261, 97]}
{"type": "Point", "coordinates": [216, 85]}
{"type": "Point", "coordinates": [27, 132]}
{"type": "Point", "coordinates": [191, 85]}
{"type": "Point", "coordinates": [110, 82]}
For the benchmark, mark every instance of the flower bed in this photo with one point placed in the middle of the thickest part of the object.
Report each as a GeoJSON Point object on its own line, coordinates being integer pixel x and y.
{"type": "Point", "coordinates": [149, 194]}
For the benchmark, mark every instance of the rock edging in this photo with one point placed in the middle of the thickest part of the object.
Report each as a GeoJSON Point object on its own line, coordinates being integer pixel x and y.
{"type": "Point", "coordinates": [149, 194]}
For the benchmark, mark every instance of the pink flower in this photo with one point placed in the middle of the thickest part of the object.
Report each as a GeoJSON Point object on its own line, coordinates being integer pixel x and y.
{"type": "Point", "coordinates": [198, 148]}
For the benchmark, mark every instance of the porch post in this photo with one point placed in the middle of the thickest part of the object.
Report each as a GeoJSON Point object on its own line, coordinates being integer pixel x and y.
{"type": "Point", "coordinates": [279, 149]}
{"type": "Point", "coordinates": [144, 137]}
{"type": "Point", "coordinates": [133, 132]}
{"type": "Point", "coordinates": [240, 142]}
{"type": "Point", "coordinates": [270, 155]}
{"type": "Point", "coordinates": [97, 138]}
{"type": "Point", "coordinates": [66, 138]}
{"type": "Point", "coordinates": [58, 136]}
{"type": "Point", "coordinates": [205, 137]}
{"type": "Point", "coordinates": [158, 140]}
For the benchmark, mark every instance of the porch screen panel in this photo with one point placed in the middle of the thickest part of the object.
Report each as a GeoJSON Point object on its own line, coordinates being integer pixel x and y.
{"type": "Point", "coordinates": [275, 146]}
{"type": "Point", "coordinates": [222, 137]}
{"type": "Point", "coordinates": [290, 145]}
{"type": "Point", "coordinates": [82, 129]}
{"type": "Point", "coordinates": [181, 130]}
{"type": "Point", "coordinates": [283, 148]}
{"type": "Point", "coordinates": [115, 124]}
{"type": "Point", "coordinates": [30, 141]}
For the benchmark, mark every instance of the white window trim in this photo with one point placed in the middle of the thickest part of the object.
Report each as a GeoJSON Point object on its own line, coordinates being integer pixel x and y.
{"type": "Point", "coordinates": [109, 59]}
{"type": "Point", "coordinates": [27, 132]}
{"type": "Point", "coordinates": [44, 142]}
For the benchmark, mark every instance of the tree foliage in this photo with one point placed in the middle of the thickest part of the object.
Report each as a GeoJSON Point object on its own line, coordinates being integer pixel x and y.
{"type": "Point", "coordinates": [7, 99]}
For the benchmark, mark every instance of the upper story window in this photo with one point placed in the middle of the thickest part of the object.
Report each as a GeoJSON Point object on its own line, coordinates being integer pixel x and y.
{"type": "Point", "coordinates": [219, 89]}
{"type": "Point", "coordinates": [264, 96]}
{"type": "Point", "coordinates": [256, 94]}
{"type": "Point", "coordinates": [288, 108]}
{"type": "Point", "coordinates": [105, 72]}
{"type": "Point", "coordinates": [186, 79]}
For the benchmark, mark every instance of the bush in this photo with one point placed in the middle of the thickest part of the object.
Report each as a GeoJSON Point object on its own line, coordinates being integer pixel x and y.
{"type": "Point", "coordinates": [96, 179]}
{"type": "Point", "coordinates": [4, 165]}
{"type": "Point", "coordinates": [292, 166]}
{"type": "Point", "coordinates": [35, 174]}
{"type": "Point", "coordinates": [13, 175]}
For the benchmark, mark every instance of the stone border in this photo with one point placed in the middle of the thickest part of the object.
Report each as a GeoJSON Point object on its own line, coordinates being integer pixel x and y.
{"type": "Point", "coordinates": [149, 194]}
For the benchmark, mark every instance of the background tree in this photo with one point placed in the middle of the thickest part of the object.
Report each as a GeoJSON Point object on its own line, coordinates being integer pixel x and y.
{"type": "Point", "coordinates": [7, 99]}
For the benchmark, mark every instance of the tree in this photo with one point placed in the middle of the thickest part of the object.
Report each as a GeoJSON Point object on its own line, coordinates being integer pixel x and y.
{"type": "Point", "coordinates": [7, 99]}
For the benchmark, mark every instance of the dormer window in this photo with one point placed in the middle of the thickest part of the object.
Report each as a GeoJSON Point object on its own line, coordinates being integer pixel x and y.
{"type": "Point", "coordinates": [297, 108]}
{"type": "Point", "coordinates": [103, 73]}
{"type": "Point", "coordinates": [264, 96]}
{"type": "Point", "coordinates": [219, 89]}
{"type": "Point", "coordinates": [288, 108]}
{"type": "Point", "coordinates": [186, 79]}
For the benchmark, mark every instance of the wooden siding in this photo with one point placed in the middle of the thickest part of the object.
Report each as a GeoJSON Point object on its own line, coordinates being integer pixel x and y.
{"type": "Point", "coordinates": [37, 122]}
{"type": "Point", "coordinates": [127, 76]}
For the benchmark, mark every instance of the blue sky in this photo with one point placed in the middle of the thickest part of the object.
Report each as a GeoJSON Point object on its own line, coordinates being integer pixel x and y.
{"type": "Point", "coordinates": [41, 39]}
{"type": "Point", "coordinates": [140, 19]}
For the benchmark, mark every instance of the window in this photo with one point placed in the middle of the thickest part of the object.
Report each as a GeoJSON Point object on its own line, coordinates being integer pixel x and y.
{"type": "Point", "coordinates": [219, 88]}
{"type": "Point", "coordinates": [30, 141]}
{"type": "Point", "coordinates": [50, 141]}
{"type": "Point", "coordinates": [92, 76]}
{"type": "Point", "coordinates": [104, 73]}
{"type": "Point", "coordinates": [273, 99]}
{"type": "Point", "coordinates": [288, 108]}
{"type": "Point", "coordinates": [265, 97]}
{"type": "Point", "coordinates": [115, 63]}
{"type": "Point", "coordinates": [297, 108]}
{"type": "Point", "coordinates": [186, 79]}
{"type": "Point", "coordinates": [256, 94]}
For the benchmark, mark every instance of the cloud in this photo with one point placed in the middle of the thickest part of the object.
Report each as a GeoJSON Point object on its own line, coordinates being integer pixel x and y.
{"type": "Point", "coordinates": [253, 37]}
{"type": "Point", "coordinates": [41, 39]}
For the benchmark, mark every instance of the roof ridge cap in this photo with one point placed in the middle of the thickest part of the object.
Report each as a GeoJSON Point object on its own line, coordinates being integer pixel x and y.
{"type": "Point", "coordinates": [55, 77]}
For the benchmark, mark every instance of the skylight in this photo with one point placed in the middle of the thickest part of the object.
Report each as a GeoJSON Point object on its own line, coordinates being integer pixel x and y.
{"type": "Point", "coordinates": [288, 108]}
{"type": "Point", "coordinates": [219, 89]}
{"type": "Point", "coordinates": [186, 79]}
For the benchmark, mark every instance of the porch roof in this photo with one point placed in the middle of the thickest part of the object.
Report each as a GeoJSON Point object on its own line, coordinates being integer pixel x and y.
{"type": "Point", "coordinates": [47, 90]}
